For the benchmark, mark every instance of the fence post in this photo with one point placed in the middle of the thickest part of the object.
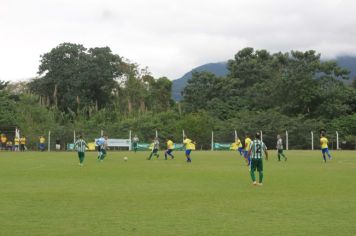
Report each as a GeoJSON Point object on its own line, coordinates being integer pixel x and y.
{"type": "Point", "coordinates": [101, 133]}
{"type": "Point", "coordinates": [74, 137]}
{"type": "Point", "coordinates": [212, 140]}
{"type": "Point", "coordinates": [337, 140]}
{"type": "Point", "coordinates": [312, 140]}
{"type": "Point", "coordinates": [49, 141]}
{"type": "Point", "coordinates": [130, 147]}
{"type": "Point", "coordinates": [261, 136]}
{"type": "Point", "coordinates": [156, 134]}
{"type": "Point", "coordinates": [235, 135]}
{"type": "Point", "coordinates": [183, 134]}
{"type": "Point", "coordinates": [287, 141]}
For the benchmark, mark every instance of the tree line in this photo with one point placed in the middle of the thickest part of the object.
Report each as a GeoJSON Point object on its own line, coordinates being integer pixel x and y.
{"type": "Point", "coordinates": [93, 89]}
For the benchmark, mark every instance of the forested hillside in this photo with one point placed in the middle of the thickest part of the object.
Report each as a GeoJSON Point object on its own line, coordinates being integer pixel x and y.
{"type": "Point", "coordinates": [220, 69]}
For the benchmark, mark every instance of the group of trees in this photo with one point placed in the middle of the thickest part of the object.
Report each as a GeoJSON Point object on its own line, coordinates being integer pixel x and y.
{"type": "Point", "coordinates": [77, 80]}
{"type": "Point", "coordinates": [92, 89]}
{"type": "Point", "coordinates": [292, 84]}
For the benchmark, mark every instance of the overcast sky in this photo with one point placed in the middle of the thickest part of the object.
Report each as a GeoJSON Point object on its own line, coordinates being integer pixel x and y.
{"type": "Point", "coordinates": [171, 37]}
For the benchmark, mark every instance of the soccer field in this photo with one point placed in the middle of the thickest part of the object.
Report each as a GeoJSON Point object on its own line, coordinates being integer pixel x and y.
{"type": "Point", "coordinates": [49, 194]}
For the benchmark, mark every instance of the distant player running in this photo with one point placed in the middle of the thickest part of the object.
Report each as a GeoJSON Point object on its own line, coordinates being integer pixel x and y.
{"type": "Point", "coordinates": [155, 148]}
{"type": "Point", "coordinates": [80, 145]}
{"type": "Point", "coordinates": [189, 146]}
{"type": "Point", "coordinates": [279, 147]}
{"type": "Point", "coordinates": [135, 141]}
{"type": "Point", "coordinates": [247, 149]}
{"type": "Point", "coordinates": [170, 146]}
{"type": "Point", "coordinates": [239, 146]}
{"type": "Point", "coordinates": [257, 148]}
{"type": "Point", "coordinates": [324, 146]}
{"type": "Point", "coordinates": [102, 144]}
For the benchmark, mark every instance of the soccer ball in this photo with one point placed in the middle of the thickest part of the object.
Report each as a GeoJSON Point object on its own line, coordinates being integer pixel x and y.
{"type": "Point", "coordinates": [125, 158]}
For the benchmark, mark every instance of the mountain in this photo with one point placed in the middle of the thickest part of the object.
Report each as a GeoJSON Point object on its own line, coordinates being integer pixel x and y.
{"type": "Point", "coordinates": [220, 69]}
{"type": "Point", "coordinates": [349, 63]}
{"type": "Point", "coordinates": [178, 85]}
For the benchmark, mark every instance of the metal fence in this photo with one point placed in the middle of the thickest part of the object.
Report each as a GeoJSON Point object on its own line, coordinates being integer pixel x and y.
{"type": "Point", "coordinates": [60, 140]}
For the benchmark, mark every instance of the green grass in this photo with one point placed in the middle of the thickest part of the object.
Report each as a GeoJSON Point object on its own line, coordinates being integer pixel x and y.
{"type": "Point", "coordinates": [49, 194]}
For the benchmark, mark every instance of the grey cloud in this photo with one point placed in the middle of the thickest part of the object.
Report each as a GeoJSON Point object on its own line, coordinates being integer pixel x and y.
{"type": "Point", "coordinates": [171, 37]}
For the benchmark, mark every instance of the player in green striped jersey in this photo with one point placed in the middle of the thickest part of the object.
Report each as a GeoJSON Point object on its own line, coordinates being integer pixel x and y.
{"type": "Point", "coordinates": [257, 148]}
{"type": "Point", "coordinates": [80, 145]}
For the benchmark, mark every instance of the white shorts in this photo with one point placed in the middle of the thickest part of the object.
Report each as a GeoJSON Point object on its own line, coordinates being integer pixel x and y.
{"type": "Point", "coordinates": [58, 146]}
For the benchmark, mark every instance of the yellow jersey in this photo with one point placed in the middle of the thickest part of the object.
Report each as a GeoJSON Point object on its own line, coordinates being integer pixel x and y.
{"type": "Point", "coordinates": [247, 144]}
{"type": "Point", "coordinates": [233, 146]}
{"type": "Point", "coordinates": [170, 144]}
{"type": "Point", "coordinates": [189, 145]}
{"type": "Point", "coordinates": [238, 142]}
{"type": "Point", "coordinates": [17, 141]}
{"type": "Point", "coordinates": [324, 142]}
{"type": "Point", "coordinates": [42, 140]}
{"type": "Point", "coordinates": [22, 140]}
{"type": "Point", "coordinates": [3, 139]}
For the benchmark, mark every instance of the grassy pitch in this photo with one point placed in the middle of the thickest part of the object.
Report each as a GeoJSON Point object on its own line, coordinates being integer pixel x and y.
{"type": "Point", "coordinates": [49, 194]}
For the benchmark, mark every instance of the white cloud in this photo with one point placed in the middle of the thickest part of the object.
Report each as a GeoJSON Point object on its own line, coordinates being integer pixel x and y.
{"type": "Point", "coordinates": [171, 37]}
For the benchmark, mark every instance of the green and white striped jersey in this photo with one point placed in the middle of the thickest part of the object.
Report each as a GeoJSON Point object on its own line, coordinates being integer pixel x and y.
{"type": "Point", "coordinates": [80, 145]}
{"type": "Point", "coordinates": [257, 149]}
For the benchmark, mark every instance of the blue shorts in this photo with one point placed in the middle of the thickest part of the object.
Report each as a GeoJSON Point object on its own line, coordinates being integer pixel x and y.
{"type": "Point", "coordinates": [188, 151]}
{"type": "Point", "coordinates": [42, 146]}
{"type": "Point", "coordinates": [245, 153]}
{"type": "Point", "coordinates": [169, 151]}
{"type": "Point", "coordinates": [325, 150]}
{"type": "Point", "coordinates": [240, 149]}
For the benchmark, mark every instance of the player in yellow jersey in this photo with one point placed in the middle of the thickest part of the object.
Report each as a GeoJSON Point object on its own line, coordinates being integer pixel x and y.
{"type": "Point", "coordinates": [247, 149]}
{"type": "Point", "coordinates": [189, 146]}
{"type": "Point", "coordinates": [3, 142]}
{"type": "Point", "coordinates": [16, 143]}
{"type": "Point", "coordinates": [22, 143]}
{"type": "Point", "coordinates": [42, 143]}
{"type": "Point", "coordinates": [239, 146]}
{"type": "Point", "coordinates": [324, 146]}
{"type": "Point", "coordinates": [170, 147]}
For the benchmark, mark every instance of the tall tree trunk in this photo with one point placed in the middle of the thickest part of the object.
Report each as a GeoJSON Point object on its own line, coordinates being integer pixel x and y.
{"type": "Point", "coordinates": [129, 105]}
{"type": "Point", "coordinates": [142, 106]}
{"type": "Point", "coordinates": [78, 103]}
{"type": "Point", "coordinates": [55, 95]}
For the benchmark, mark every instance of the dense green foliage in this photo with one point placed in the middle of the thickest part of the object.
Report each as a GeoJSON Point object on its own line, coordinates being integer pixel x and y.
{"type": "Point", "coordinates": [89, 90]}
{"type": "Point", "coordinates": [49, 194]}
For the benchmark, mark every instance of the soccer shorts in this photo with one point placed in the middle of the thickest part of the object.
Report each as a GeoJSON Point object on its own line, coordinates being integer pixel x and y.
{"type": "Point", "coordinates": [245, 153]}
{"type": "Point", "coordinates": [256, 163]}
{"type": "Point", "coordinates": [188, 151]}
{"type": "Point", "coordinates": [325, 150]}
{"type": "Point", "coordinates": [81, 154]}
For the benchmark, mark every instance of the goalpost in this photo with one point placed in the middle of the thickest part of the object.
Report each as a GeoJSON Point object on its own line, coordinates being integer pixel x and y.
{"type": "Point", "coordinates": [223, 145]}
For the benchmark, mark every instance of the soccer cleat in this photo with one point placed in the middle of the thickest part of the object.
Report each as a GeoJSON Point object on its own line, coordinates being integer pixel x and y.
{"type": "Point", "coordinates": [260, 184]}
{"type": "Point", "coordinates": [254, 183]}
